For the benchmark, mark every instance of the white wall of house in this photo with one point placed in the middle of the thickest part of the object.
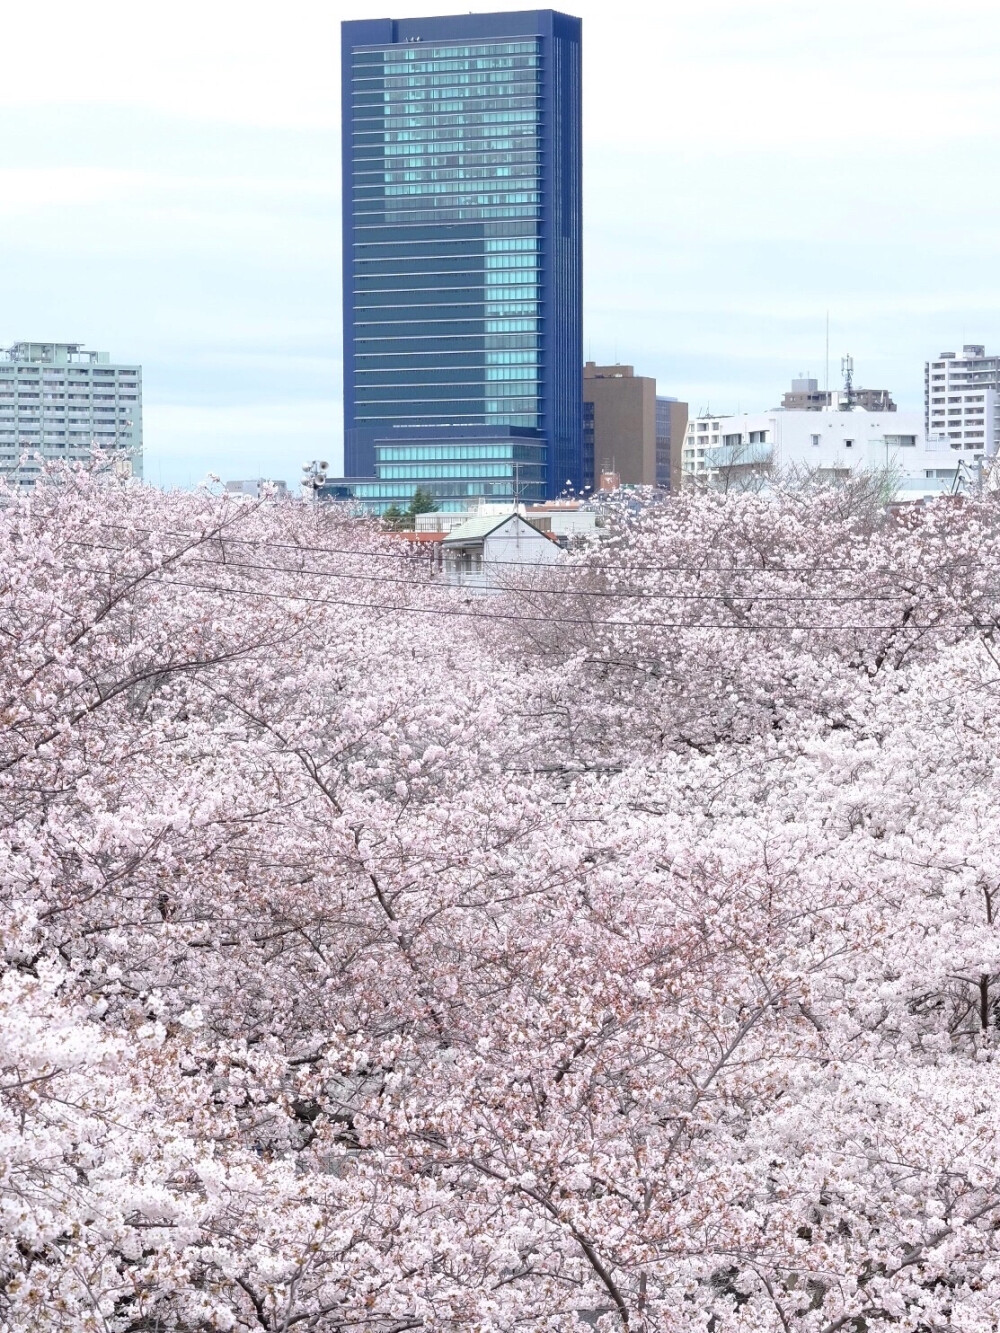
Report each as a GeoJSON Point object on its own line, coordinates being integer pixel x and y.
{"type": "Point", "coordinates": [504, 557]}
{"type": "Point", "coordinates": [519, 543]}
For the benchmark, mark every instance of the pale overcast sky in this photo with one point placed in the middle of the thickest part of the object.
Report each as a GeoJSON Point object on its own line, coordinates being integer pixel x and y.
{"type": "Point", "coordinates": [169, 192]}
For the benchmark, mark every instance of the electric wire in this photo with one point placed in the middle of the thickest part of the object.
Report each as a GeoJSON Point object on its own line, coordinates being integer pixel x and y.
{"type": "Point", "coordinates": [545, 589]}
{"type": "Point", "coordinates": [468, 612]}
{"type": "Point", "coordinates": [222, 537]}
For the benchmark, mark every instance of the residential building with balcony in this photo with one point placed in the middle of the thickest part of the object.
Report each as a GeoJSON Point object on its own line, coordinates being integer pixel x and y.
{"type": "Point", "coordinates": [60, 401]}
{"type": "Point", "coordinates": [962, 401]}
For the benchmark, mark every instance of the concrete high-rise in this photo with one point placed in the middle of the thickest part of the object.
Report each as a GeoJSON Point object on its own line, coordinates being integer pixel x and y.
{"type": "Point", "coordinates": [61, 401]}
{"type": "Point", "coordinates": [462, 256]}
{"type": "Point", "coordinates": [962, 400]}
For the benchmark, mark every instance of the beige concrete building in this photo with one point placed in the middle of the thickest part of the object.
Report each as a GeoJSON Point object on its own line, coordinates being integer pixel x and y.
{"type": "Point", "coordinates": [624, 422]}
{"type": "Point", "coordinates": [629, 432]}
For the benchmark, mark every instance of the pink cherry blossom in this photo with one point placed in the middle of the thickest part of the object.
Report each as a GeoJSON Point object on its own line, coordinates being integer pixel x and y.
{"type": "Point", "coordinates": [620, 952]}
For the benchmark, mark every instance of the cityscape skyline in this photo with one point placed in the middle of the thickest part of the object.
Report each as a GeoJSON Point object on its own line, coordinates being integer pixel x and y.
{"type": "Point", "coordinates": [500, 673]}
{"type": "Point", "coordinates": [189, 217]}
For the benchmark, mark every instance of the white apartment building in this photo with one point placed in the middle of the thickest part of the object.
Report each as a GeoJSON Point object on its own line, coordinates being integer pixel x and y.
{"type": "Point", "coordinates": [829, 443]}
{"type": "Point", "coordinates": [962, 400]}
{"type": "Point", "coordinates": [60, 401]}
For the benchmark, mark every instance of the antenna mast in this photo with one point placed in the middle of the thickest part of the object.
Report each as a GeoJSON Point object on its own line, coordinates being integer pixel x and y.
{"type": "Point", "coordinates": [847, 370]}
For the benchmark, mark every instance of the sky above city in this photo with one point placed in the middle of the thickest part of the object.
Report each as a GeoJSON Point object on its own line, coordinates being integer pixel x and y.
{"type": "Point", "coordinates": [169, 193]}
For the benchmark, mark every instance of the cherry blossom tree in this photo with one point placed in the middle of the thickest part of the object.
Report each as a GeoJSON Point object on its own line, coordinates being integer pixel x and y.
{"type": "Point", "coordinates": [618, 953]}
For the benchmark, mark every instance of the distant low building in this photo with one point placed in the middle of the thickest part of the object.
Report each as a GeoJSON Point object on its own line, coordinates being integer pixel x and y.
{"type": "Point", "coordinates": [60, 401]}
{"type": "Point", "coordinates": [563, 519]}
{"type": "Point", "coordinates": [258, 487]}
{"type": "Point", "coordinates": [566, 519]}
{"type": "Point", "coordinates": [805, 395]}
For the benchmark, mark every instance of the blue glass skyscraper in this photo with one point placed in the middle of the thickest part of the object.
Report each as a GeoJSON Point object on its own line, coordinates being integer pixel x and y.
{"type": "Point", "coordinates": [463, 342]}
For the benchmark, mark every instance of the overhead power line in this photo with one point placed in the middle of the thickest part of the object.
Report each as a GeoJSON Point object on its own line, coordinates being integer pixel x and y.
{"type": "Point", "coordinates": [468, 612]}
{"type": "Point", "coordinates": [701, 568]}
{"type": "Point", "coordinates": [546, 589]}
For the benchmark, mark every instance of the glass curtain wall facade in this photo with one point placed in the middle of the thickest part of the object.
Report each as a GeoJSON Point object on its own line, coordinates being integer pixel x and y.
{"type": "Point", "coordinates": [664, 443]}
{"type": "Point", "coordinates": [499, 467]}
{"type": "Point", "coordinates": [462, 268]}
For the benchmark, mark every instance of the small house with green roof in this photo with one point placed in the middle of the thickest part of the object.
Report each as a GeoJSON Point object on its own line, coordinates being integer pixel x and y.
{"type": "Point", "coordinates": [495, 552]}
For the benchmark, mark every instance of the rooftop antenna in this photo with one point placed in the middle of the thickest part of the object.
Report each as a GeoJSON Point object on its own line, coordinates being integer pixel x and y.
{"type": "Point", "coordinates": [847, 370]}
{"type": "Point", "coordinates": [826, 386]}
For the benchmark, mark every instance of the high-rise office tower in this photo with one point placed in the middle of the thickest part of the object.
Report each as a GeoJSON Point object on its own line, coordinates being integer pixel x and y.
{"type": "Point", "coordinates": [59, 401]}
{"type": "Point", "coordinates": [462, 256]}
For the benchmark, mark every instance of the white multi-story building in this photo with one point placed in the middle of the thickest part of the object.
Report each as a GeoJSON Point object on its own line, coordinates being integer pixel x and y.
{"type": "Point", "coordinates": [828, 444]}
{"type": "Point", "coordinates": [962, 400]}
{"type": "Point", "coordinates": [60, 401]}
